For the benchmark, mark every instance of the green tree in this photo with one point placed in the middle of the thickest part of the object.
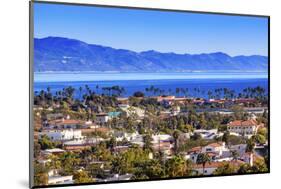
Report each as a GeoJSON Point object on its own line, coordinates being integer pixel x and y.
{"type": "Point", "coordinates": [150, 169]}
{"type": "Point", "coordinates": [226, 169]}
{"type": "Point", "coordinates": [259, 166]}
{"type": "Point", "coordinates": [244, 168]}
{"type": "Point", "coordinates": [46, 143]}
{"type": "Point", "coordinates": [225, 137]}
{"type": "Point", "coordinates": [138, 94]}
{"type": "Point", "coordinates": [82, 177]}
{"type": "Point", "coordinates": [40, 174]}
{"type": "Point", "coordinates": [147, 139]}
{"type": "Point", "coordinates": [55, 162]}
{"type": "Point", "coordinates": [234, 154]}
{"type": "Point", "coordinates": [69, 161]}
{"type": "Point", "coordinates": [176, 167]}
{"type": "Point", "coordinates": [260, 139]}
{"type": "Point", "coordinates": [176, 135]}
{"type": "Point", "coordinates": [203, 158]}
{"type": "Point", "coordinates": [250, 145]}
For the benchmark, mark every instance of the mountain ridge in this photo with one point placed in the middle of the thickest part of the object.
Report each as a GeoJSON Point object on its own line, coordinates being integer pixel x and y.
{"type": "Point", "coordinates": [64, 54]}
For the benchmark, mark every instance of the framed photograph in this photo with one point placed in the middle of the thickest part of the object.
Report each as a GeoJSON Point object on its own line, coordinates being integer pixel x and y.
{"type": "Point", "coordinates": [127, 94]}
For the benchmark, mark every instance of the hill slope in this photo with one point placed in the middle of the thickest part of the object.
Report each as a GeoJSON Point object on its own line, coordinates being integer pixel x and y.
{"type": "Point", "coordinates": [63, 54]}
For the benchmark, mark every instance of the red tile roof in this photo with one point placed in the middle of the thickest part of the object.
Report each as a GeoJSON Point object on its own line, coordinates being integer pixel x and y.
{"type": "Point", "coordinates": [245, 100]}
{"type": "Point", "coordinates": [161, 98]}
{"type": "Point", "coordinates": [243, 123]}
{"type": "Point", "coordinates": [66, 121]}
{"type": "Point", "coordinates": [195, 149]}
{"type": "Point", "coordinates": [215, 145]}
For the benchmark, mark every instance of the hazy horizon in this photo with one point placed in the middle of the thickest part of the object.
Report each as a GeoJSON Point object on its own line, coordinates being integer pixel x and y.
{"type": "Point", "coordinates": [183, 53]}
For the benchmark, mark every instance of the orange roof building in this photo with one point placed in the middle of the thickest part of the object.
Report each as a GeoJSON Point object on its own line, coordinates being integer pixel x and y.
{"type": "Point", "coordinates": [247, 128]}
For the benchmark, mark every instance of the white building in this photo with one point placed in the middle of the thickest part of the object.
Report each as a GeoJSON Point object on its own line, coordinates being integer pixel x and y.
{"type": "Point", "coordinates": [239, 148]}
{"type": "Point", "coordinates": [123, 106]}
{"type": "Point", "coordinates": [120, 136]}
{"type": "Point", "coordinates": [175, 110]}
{"type": "Point", "coordinates": [161, 137]}
{"type": "Point", "coordinates": [208, 170]}
{"type": "Point", "coordinates": [55, 178]}
{"type": "Point", "coordinates": [61, 135]}
{"type": "Point", "coordinates": [102, 118]}
{"type": "Point", "coordinates": [208, 134]}
{"type": "Point", "coordinates": [117, 177]}
{"type": "Point", "coordinates": [245, 128]}
{"type": "Point", "coordinates": [211, 167]}
{"type": "Point", "coordinates": [53, 151]}
{"type": "Point", "coordinates": [83, 141]}
{"type": "Point", "coordinates": [248, 158]}
{"type": "Point", "coordinates": [216, 148]}
{"type": "Point", "coordinates": [65, 124]}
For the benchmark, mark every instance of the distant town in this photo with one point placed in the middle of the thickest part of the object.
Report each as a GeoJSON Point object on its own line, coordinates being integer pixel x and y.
{"type": "Point", "coordinates": [85, 136]}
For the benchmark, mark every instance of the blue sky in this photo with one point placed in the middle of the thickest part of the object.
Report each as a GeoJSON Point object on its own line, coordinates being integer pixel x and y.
{"type": "Point", "coordinates": [142, 30]}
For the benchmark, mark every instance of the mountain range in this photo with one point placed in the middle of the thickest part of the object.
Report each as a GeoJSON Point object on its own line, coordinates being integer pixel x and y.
{"type": "Point", "coordinates": [63, 54]}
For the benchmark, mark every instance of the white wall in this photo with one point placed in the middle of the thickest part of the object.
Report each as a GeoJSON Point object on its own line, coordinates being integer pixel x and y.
{"type": "Point", "coordinates": [14, 91]}
{"type": "Point", "coordinates": [59, 135]}
{"type": "Point", "coordinates": [207, 171]}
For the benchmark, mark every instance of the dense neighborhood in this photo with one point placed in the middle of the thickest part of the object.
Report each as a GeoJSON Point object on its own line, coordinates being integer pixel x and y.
{"type": "Point", "coordinates": [83, 136]}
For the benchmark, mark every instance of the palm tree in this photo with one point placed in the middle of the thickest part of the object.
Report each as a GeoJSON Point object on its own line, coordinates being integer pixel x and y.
{"type": "Point", "coordinates": [250, 145]}
{"type": "Point", "coordinates": [176, 135]}
{"type": "Point", "coordinates": [80, 92]}
{"type": "Point", "coordinates": [147, 142]}
{"type": "Point", "coordinates": [176, 167]}
{"type": "Point", "coordinates": [177, 91]}
{"type": "Point", "coordinates": [97, 88]}
{"type": "Point", "coordinates": [55, 162]}
{"type": "Point", "coordinates": [203, 158]}
{"type": "Point", "coordinates": [234, 154]}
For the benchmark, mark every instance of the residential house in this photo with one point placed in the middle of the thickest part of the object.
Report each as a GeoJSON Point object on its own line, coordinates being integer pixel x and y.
{"type": "Point", "coordinates": [54, 151]}
{"type": "Point", "coordinates": [64, 124]}
{"type": "Point", "coordinates": [244, 128]}
{"type": "Point", "coordinates": [113, 114]}
{"type": "Point", "coordinates": [120, 136]}
{"type": "Point", "coordinates": [214, 148]}
{"type": "Point", "coordinates": [80, 144]}
{"type": "Point", "coordinates": [116, 177]}
{"type": "Point", "coordinates": [121, 100]}
{"type": "Point", "coordinates": [62, 135]}
{"type": "Point", "coordinates": [102, 118]}
{"type": "Point", "coordinates": [55, 178]}
{"type": "Point", "coordinates": [210, 167]}
{"type": "Point", "coordinates": [208, 134]}
{"type": "Point", "coordinates": [193, 153]}
{"type": "Point", "coordinates": [175, 110]}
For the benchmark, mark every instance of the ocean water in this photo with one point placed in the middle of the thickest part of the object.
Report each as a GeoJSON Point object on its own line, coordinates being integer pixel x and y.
{"type": "Point", "coordinates": [133, 82]}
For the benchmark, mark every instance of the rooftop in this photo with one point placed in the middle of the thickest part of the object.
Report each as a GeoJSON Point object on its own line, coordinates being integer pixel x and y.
{"type": "Point", "coordinates": [64, 121]}
{"type": "Point", "coordinates": [216, 144]}
{"type": "Point", "coordinates": [242, 123]}
{"type": "Point", "coordinates": [54, 150]}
